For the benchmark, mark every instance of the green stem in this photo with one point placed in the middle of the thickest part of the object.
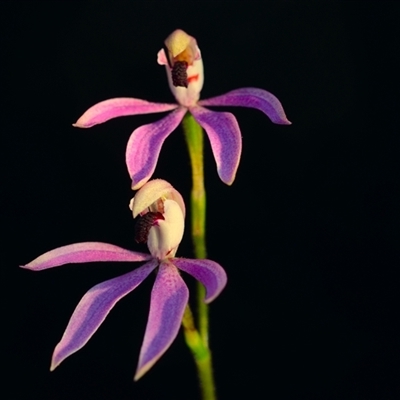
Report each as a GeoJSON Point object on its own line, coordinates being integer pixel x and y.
{"type": "Point", "coordinates": [198, 340]}
{"type": "Point", "coordinates": [201, 355]}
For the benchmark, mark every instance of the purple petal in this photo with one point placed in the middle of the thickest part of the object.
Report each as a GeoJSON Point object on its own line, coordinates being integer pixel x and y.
{"type": "Point", "coordinates": [253, 98]}
{"type": "Point", "coordinates": [169, 298]}
{"type": "Point", "coordinates": [93, 308]}
{"type": "Point", "coordinates": [83, 253]}
{"type": "Point", "coordinates": [208, 272]}
{"type": "Point", "coordinates": [144, 146]}
{"type": "Point", "coordinates": [119, 107]}
{"type": "Point", "coordinates": [225, 138]}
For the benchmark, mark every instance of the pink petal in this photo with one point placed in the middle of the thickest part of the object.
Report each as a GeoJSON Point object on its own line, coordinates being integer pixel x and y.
{"type": "Point", "coordinates": [83, 253]}
{"type": "Point", "coordinates": [253, 98]}
{"type": "Point", "coordinates": [169, 298]}
{"type": "Point", "coordinates": [119, 107]}
{"type": "Point", "coordinates": [208, 272]}
{"type": "Point", "coordinates": [144, 146]}
{"type": "Point", "coordinates": [225, 138]}
{"type": "Point", "coordinates": [93, 308]}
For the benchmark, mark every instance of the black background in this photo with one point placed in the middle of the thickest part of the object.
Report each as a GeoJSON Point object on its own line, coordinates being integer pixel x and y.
{"type": "Point", "coordinates": [308, 233]}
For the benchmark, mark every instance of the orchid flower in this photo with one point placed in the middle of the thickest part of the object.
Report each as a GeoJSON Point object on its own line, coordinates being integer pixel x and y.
{"type": "Point", "coordinates": [161, 212]}
{"type": "Point", "coordinates": [184, 66]}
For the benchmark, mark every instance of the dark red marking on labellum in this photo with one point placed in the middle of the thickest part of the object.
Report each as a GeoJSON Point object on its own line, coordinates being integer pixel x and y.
{"type": "Point", "coordinates": [179, 74]}
{"type": "Point", "coordinates": [193, 78]}
{"type": "Point", "coordinates": [143, 225]}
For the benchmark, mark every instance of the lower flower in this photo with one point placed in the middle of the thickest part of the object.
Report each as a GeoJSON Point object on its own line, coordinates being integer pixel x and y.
{"type": "Point", "coordinates": [169, 296]}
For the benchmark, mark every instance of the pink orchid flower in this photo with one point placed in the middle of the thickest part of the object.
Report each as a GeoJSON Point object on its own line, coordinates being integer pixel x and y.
{"type": "Point", "coordinates": [161, 212]}
{"type": "Point", "coordinates": [184, 66]}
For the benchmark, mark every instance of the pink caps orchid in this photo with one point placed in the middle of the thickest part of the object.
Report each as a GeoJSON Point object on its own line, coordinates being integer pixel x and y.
{"type": "Point", "coordinates": [184, 66]}
{"type": "Point", "coordinates": [161, 213]}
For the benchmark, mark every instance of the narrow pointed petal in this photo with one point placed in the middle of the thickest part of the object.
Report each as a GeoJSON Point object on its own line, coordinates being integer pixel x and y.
{"type": "Point", "coordinates": [119, 107]}
{"type": "Point", "coordinates": [144, 146]}
{"type": "Point", "coordinates": [225, 138]}
{"type": "Point", "coordinates": [253, 98]}
{"type": "Point", "coordinates": [208, 272]}
{"type": "Point", "coordinates": [169, 298]}
{"type": "Point", "coordinates": [83, 253]}
{"type": "Point", "coordinates": [93, 308]}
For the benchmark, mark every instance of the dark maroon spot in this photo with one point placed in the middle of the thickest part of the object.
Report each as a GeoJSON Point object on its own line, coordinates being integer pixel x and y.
{"type": "Point", "coordinates": [179, 74]}
{"type": "Point", "coordinates": [143, 225]}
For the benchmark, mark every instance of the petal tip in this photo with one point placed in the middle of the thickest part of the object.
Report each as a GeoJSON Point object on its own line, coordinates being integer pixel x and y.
{"type": "Point", "coordinates": [138, 185]}
{"type": "Point", "coordinates": [78, 125]}
{"type": "Point", "coordinates": [229, 182]}
{"type": "Point", "coordinates": [56, 359]}
{"type": "Point", "coordinates": [142, 370]}
{"type": "Point", "coordinates": [285, 122]}
{"type": "Point", "coordinates": [29, 267]}
{"type": "Point", "coordinates": [53, 365]}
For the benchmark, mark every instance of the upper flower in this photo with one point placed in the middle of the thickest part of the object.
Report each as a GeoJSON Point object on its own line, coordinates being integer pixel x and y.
{"type": "Point", "coordinates": [184, 67]}
{"type": "Point", "coordinates": [161, 214]}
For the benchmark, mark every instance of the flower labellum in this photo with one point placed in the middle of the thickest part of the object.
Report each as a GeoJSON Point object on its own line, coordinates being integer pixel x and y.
{"type": "Point", "coordinates": [144, 224]}
{"type": "Point", "coordinates": [163, 226]}
{"type": "Point", "coordinates": [181, 50]}
{"type": "Point", "coordinates": [184, 66]}
{"type": "Point", "coordinates": [162, 218]}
